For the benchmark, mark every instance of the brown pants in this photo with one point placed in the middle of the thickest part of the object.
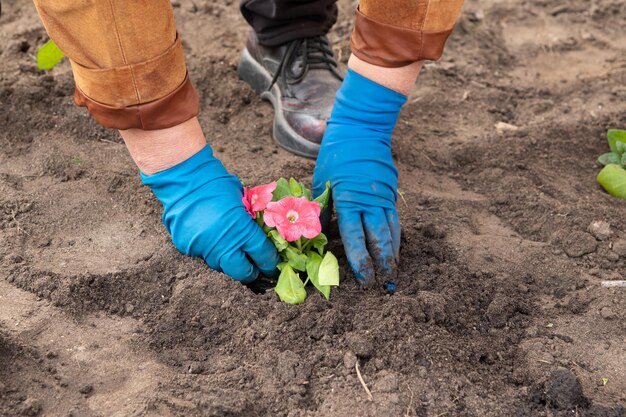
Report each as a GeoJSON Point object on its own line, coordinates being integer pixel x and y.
{"type": "Point", "coordinates": [129, 66]}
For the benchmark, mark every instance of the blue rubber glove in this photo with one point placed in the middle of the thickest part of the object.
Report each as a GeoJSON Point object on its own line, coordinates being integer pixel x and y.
{"type": "Point", "coordinates": [204, 214]}
{"type": "Point", "coordinates": [355, 157]}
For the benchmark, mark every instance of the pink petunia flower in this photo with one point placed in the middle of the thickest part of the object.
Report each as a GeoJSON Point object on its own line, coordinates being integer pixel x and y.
{"type": "Point", "coordinates": [294, 217]}
{"type": "Point", "coordinates": [256, 198]}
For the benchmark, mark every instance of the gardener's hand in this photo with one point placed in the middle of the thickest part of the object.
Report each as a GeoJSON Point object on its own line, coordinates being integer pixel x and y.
{"type": "Point", "coordinates": [204, 214]}
{"type": "Point", "coordinates": [356, 158]}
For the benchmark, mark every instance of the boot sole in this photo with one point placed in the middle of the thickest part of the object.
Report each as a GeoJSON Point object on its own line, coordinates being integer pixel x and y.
{"type": "Point", "coordinates": [259, 79]}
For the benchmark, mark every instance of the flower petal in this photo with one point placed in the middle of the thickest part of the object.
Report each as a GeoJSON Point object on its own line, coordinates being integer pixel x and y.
{"type": "Point", "coordinates": [246, 203]}
{"type": "Point", "coordinates": [291, 233]}
{"type": "Point", "coordinates": [312, 230]}
{"type": "Point", "coordinates": [271, 218]}
{"type": "Point", "coordinates": [264, 195]}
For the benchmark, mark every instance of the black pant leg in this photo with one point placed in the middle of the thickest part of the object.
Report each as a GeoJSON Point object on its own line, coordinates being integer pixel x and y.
{"type": "Point", "coordinates": [278, 21]}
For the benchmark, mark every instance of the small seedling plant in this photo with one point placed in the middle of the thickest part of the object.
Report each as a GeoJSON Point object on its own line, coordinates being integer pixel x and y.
{"type": "Point", "coordinates": [290, 217]}
{"type": "Point", "coordinates": [49, 55]}
{"type": "Point", "coordinates": [613, 176]}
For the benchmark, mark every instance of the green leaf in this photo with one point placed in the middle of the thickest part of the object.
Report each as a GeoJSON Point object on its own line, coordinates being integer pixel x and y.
{"type": "Point", "coordinates": [282, 190]}
{"type": "Point", "coordinates": [329, 270]}
{"type": "Point", "coordinates": [291, 188]}
{"type": "Point", "coordinates": [622, 161]}
{"type": "Point", "coordinates": [296, 188]}
{"type": "Point", "coordinates": [609, 158]}
{"type": "Point", "coordinates": [613, 179]}
{"type": "Point", "coordinates": [49, 55]}
{"type": "Point", "coordinates": [615, 136]}
{"type": "Point", "coordinates": [278, 241]}
{"type": "Point", "coordinates": [324, 198]}
{"type": "Point", "coordinates": [319, 242]}
{"type": "Point", "coordinates": [307, 192]}
{"type": "Point", "coordinates": [620, 148]}
{"type": "Point", "coordinates": [289, 287]}
{"type": "Point", "coordinates": [312, 269]}
{"type": "Point", "coordinates": [296, 259]}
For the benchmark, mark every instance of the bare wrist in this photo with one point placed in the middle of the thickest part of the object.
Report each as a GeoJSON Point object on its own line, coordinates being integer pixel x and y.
{"type": "Point", "coordinates": [400, 80]}
{"type": "Point", "coordinates": [157, 150]}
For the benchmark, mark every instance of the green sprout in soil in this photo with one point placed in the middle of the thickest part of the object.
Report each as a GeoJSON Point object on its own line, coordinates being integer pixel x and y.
{"type": "Point", "coordinates": [49, 55]}
{"type": "Point", "coordinates": [613, 176]}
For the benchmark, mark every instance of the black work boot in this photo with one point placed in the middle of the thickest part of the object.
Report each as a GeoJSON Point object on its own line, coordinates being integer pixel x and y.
{"type": "Point", "coordinates": [300, 79]}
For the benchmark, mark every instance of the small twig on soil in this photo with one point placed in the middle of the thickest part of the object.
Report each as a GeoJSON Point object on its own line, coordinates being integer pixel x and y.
{"type": "Point", "coordinates": [613, 284]}
{"type": "Point", "coordinates": [410, 406]}
{"type": "Point", "coordinates": [358, 374]}
{"type": "Point", "coordinates": [109, 141]}
{"type": "Point", "coordinates": [401, 194]}
{"type": "Point", "coordinates": [429, 160]}
{"type": "Point", "coordinates": [17, 223]}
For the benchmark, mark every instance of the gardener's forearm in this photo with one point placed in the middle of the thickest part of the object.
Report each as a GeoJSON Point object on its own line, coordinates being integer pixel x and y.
{"type": "Point", "coordinates": [400, 79]}
{"type": "Point", "coordinates": [157, 150]}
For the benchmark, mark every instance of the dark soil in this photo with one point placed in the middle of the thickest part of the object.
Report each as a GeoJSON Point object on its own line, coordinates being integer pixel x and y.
{"type": "Point", "coordinates": [499, 309]}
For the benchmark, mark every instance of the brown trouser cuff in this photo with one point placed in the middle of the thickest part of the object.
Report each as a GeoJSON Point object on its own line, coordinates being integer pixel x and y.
{"type": "Point", "coordinates": [393, 46]}
{"type": "Point", "coordinates": [177, 107]}
{"type": "Point", "coordinates": [137, 83]}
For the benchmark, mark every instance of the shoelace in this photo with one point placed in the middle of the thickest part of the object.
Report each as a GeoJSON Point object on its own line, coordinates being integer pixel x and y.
{"type": "Point", "coordinates": [316, 54]}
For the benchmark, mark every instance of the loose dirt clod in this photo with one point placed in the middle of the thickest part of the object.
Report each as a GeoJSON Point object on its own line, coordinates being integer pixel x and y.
{"type": "Point", "coordinates": [196, 368]}
{"type": "Point", "coordinates": [86, 389]}
{"type": "Point", "coordinates": [600, 229]}
{"type": "Point", "coordinates": [577, 244]}
{"type": "Point", "coordinates": [361, 345]}
{"type": "Point", "coordinates": [607, 313]}
{"type": "Point", "coordinates": [499, 311]}
{"type": "Point", "coordinates": [349, 359]}
{"type": "Point", "coordinates": [31, 407]}
{"type": "Point", "coordinates": [564, 391]}
{"type": "Point", "coordinates": [619, 247]}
